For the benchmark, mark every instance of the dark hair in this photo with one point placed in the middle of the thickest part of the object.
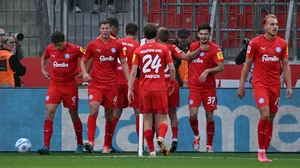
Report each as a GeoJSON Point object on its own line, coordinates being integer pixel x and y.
{"type": "Point", "coordinates": [204, 27]}
{"type": "Point", "coordinates": [163, 34]}
{"type": "Point", "coordinates": [150, 31]}
{"type": "Point", "coordinates": [105, 22]}
{"type": "Point", "coordinates": [131, 28]}
{"type": "Point", "coordinates": [57, 37]}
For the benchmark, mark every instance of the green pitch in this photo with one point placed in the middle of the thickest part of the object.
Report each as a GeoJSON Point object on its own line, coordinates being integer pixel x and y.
{"type": "Point", "coordinates": [131, 160]}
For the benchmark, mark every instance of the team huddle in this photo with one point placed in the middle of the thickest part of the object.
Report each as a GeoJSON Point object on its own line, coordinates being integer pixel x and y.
{"type": "Point", "coordinates": [124, 73]}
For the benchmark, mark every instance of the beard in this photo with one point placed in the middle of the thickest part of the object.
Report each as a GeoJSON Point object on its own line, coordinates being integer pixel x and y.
{"type": "Point", "coordinates": [205, 41]}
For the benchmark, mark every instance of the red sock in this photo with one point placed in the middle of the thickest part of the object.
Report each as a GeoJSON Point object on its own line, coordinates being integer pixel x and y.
{"type": "Point", "coordinates": [108, 133]}
{"type": "Point", "coordinates": [149, 138]}
{"type": "Point", "coordinates": [268, 137]}
{"type": "Point", "coordinates": [78, 131]}
{"type": "Point", "coordinates": [261, 133]}
{"type": "Point", "coordinates": [194, 126]}
{"type": "Point", "coordinates": [175, 132]}
{"type": "Point", "coordinates": [48, 130]}
{"type": "Point", "coordinates": [210, 131]}
{"type": "Point", "coordinates": [137, 124]}
{"type": "Point", "coordinates": [114, 123]}
{"type": "Point", "coordinates": [162, 129]}
{"type": "Point", "coordinates": [91, 123]}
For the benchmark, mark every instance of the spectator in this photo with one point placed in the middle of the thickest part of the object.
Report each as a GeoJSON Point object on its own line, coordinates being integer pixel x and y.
{"type": "Point", "coordinates": [183, 43]}
{"type": "Point", "coordinates": [18, 52]}
{"type": "Point", "coordinates": [74, 6]}
{"type": "Point", "coordinates": [9, 62]}
{"type": "Point", "coordinates": [110, 6]}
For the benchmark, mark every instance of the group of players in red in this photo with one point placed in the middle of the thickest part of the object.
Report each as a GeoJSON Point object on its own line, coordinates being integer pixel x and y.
{"type": "Point", "coordinates": [152, 89]}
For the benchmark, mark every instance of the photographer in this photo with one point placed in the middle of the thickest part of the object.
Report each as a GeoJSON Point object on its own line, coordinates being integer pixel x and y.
{"type": "Point", "coordinates": [18, 51]}
{"type": "Point", "coordinates": [241, 57]}
{"type": "Point", "coordinates": [9, 62]}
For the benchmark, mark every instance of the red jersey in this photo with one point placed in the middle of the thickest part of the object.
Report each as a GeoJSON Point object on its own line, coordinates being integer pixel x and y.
{"type": "Point", "coordinates": [64, 63]}
{"type": "Point", "coordinates": [152, 59]}
{"type": "Point", "coordinates": [205, 60]}
{"type": "Point", "coordinates": [104, 55]}
{"type": "Point", "coordinates": [267, 56]}
{"type": "Point", "coordinates": [128, 47]}
{"type": "Point", "coordinates": [175, 53]}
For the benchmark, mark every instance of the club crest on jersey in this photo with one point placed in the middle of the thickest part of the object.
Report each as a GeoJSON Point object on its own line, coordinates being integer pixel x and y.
{"type": "Point", "coordinates": [67, 56]}
{"type": "Point", "coordinates": [261, 100]}
{"type": "Point", "coordinates": [278, 49]}
{"type": "Point", "coordinates": [113, 50]}
{"type": "Point", "coordinates": [91, 97]}
{"type": "Point", "coordinates": [47, 98]}
{"type": "Point", "coordinates": [202, 54]}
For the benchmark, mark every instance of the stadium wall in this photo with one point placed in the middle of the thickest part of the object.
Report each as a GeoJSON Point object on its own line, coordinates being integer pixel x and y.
{"type": "Point", "coordinates": [22, 114]}
{"type": "Point", "coordinates": [229, 78]}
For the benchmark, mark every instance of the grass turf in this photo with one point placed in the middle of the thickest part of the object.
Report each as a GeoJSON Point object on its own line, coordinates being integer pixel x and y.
{"type": "Point", "coordinates": [131, 160]}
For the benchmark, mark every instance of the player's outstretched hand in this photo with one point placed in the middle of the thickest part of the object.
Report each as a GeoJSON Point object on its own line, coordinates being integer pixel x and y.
{"type": "Point", "coordinates": [241, 92]}
{"type": "Point", "coordinates": [46, 74]}
{"type": "Point", "coordinates": [202, 77]}
{"type": "Point", "coordinates": [86, 77]}
{"type": "Point", "coordinates": [289, 93]}
{"type": "Point", "coordinates": [130, 96]}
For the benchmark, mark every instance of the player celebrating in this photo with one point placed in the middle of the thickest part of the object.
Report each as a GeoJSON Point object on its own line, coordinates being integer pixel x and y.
{"type": "Point", "coordinates": [267, 52]}
{"type": "Point", "coordinates": [63, 86]}
{"type": "Point", "coordinates": [129, 44]}
{"type": "Point", "coordinates": [102, 88]}
{"type": "Point", "coordinates": [173, 99]}
{"type": "Point", "coordinates": [152, 59]}
{"type": "Point", "coordinates": [203, 86]}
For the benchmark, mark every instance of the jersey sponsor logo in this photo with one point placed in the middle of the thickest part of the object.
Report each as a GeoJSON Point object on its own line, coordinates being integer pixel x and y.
{"type": "Point", "coordinates": [265, 57]}
{"type": "Point", "coordinates": [198, 60]}
{"type": "Point", "coordinates": [103, 58]}
{"type": "Point", "coordinates": [67, 56]}
{"type": "Point", "coordinates": [248, 49]}
{"type": "Point", "coordinates": [287, 50]}
{"type": "Point", "coordinates": [167, 75]}
{"type": "Point", "coordinates": [82, 50]}
{"type": "Point", "coordinates": [202, 54]}
{"type": "Point", "coordinates": [60, 65]}
{"type": "Point", "coordinates": [263, 48]}
{"type": "Point", "coordinates": [278, 49]}
{"type": "Point", "coordinates": [133, 57]}
{"type": "Point", "coordinates": [220, 55]}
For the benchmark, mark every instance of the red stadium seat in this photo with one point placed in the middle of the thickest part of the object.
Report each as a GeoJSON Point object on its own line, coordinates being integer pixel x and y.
{"type": "Point", "coordinates": [232, 19]}
{"type": "Point", "coordinates": [168, 20]}
{"type": "Point", "coordinates": [200, 18]}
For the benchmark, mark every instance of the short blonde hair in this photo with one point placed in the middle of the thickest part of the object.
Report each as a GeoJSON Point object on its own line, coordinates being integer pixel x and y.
{"type": "Point", "coordinates": [269, 16]}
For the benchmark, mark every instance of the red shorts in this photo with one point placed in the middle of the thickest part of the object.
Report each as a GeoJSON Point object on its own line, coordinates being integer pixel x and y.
{"type": "Point", "coordinates": [154, 102]}
{"type": "Point", "coordinates": [135, 101]}
{"type": "Point", "coordinates": [208, 96]}
{"type": "Point", "coordinates": [105, 94]}
{"type": "Point", "coordinates": [267, 95]}
{"type": "Point", "coordinates": [122, 101]}
{"type": "Point", "coordinates": [66, 93]}
{"type": "Point", "coordinates": [173, 99]}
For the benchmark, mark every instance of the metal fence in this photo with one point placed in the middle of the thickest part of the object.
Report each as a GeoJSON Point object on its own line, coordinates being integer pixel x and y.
{"type": "Point", "coordinates": [232, 20]}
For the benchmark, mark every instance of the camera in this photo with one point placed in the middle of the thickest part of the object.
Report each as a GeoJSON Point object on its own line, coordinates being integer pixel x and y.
{"type": "Point", "coordinates": [17, 36]}
{"type": "Point", "coordinates": [246, 41]}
